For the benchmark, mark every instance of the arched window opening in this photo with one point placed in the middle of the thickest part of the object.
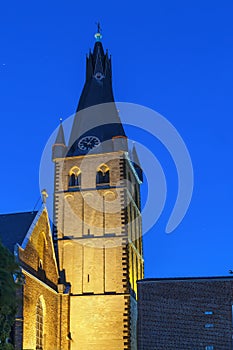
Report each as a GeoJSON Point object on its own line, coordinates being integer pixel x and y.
{"type": "Point", "coordinates": [72, 180]}
{"type": "Point", "coordinates": [41, 246]}
{"type": "Point", "coordinates": [40, 264]}
{"type": "Point", "coordinates": [39, 326]}
{"type": "Point", "coordinates": [74, 177]}
{"type": "Point", "coordinates": [102, 175]}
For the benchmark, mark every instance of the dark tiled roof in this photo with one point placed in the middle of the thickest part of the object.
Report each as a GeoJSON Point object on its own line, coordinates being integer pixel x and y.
{"type": "Point", "coordinates": [60, 140]}
{"type": "Point", "coordinates": [14, 227]}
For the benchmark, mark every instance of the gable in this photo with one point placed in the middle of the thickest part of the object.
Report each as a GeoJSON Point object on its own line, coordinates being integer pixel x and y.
{"type": "Point", "coordinates": [36, 253]}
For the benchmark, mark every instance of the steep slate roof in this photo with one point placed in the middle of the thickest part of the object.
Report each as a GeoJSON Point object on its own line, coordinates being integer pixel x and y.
{"type": "Point", "coordinates": [98, 85]}
{"type": "Point", "coordinates": [59, 147]}
{"type": "Point", "coordinates": [60, 140]}
{"type": "Point", "coordinates": [14, 227]}
{"type": "Point", "coordinates": [104, 121]}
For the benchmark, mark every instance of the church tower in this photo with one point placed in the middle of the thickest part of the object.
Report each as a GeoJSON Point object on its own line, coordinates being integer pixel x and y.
{"type": "Point", "coordinates": [97, 217]}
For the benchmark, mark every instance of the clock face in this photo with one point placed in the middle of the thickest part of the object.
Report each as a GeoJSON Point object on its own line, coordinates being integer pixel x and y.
{"type": "Point", "coordinates": [99, 76]}
{"type": "Point", "coordinates": [88, 142]}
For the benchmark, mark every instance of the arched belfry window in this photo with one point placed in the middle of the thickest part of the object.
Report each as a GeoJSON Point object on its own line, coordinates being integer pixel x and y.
{"type": "Point", "coordinates": [102, 175]}
{"type": "Point", "coordinates": [74, 177]}
{"type": "Point", "coordinates": [39, 325]}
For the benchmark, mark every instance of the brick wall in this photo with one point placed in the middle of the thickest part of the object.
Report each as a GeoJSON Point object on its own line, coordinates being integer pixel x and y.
{"type": "Point", "coordinates": [185, 314]}
{"type": "Point", "coordinates": [33, 291]}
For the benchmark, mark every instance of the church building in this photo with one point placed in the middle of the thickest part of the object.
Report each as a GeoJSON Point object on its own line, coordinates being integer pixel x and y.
{"type": "Point", "coordinates": [83, 285]}
{"type": "Point", "coordinates": [80, 288]}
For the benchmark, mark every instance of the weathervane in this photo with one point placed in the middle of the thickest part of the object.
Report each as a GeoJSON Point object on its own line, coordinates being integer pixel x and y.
{"type": "Point", "coordinates": [98, 35]}
{"type": "Point", "coordinates": [98, 27]}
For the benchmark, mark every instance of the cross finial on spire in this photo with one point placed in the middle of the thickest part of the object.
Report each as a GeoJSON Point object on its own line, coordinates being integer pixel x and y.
{"type": "Point", "coordinates": [98, 35]}
{"type": "Point", "coordinates": [98, 27]}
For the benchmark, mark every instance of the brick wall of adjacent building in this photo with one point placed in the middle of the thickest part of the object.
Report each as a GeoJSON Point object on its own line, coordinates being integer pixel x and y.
{"type": "Point", "coordinates": [185, 314]}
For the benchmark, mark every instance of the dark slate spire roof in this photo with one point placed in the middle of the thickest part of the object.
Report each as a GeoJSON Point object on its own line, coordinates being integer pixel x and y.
{"type": "Point", "coordinates": [98, 85]}
{"type": "Point", "coordinates": [97, 90]}
{"type": "Point", "coordinates": [59, 147]}
{"type": "Point", "coordinates": [14, 227]}
{"type": "Point", "coordinates": [60, 139]}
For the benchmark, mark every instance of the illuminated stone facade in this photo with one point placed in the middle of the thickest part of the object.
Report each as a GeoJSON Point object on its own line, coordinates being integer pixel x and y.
{"type": "Point", "coordinates": [97, 217]}
{"type": "Point", "coordinates": [100, 249]}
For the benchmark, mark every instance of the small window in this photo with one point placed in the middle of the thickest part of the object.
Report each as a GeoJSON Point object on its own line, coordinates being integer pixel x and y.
{"type": "Point", "coordinates": [209, 347]}
{"type": "Point", "coordinates": [209, 325]}
{"type": "Point", "coordinates": [102, 175]}
{"type": "Point", "coordinates": [74, 177]}
{"type": "Point", "coordinates": [72, 180]}
{"type": "Point", "coordinates": [208, 312]}
{"type": "Point", "coordinates": [75, 180]}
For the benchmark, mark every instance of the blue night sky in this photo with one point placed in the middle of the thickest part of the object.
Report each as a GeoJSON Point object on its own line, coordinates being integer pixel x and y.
{"type": "Point", "coordinates": [175, 57]}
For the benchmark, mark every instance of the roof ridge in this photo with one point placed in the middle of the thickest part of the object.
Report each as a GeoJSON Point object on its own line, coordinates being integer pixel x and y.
{"type": "Point", "coordinates": [20, 212]}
